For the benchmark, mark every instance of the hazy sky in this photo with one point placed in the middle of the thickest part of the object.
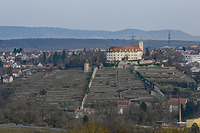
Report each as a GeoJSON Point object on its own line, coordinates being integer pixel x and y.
{"type": "Point", "coordinates": [103, 14]}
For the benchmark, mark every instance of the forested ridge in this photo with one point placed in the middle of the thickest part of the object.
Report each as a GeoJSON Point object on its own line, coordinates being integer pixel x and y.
{"type": "Point", "coordinates": [71, 43]}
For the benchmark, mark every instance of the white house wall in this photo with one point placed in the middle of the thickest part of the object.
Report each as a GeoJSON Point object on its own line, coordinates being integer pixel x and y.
{"type": "Point", "coordinates": [114, 56]}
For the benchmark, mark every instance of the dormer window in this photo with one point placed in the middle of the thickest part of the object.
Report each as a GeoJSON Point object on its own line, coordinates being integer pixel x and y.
{"type": "Point", "coordinates": [135, 49]}
{"type": "Point", "coordinates": [120, 50]}
{"type": "Point", "coordinates": [110, 49]}
{"type": "Point", "coordinates": [129, 50]}
{"type": "Point", "coordinates": [115, 50]}
{"type": "Point", "coordinates": [124, 49]}
{"type": "Point", "coordinates": [132, 49]}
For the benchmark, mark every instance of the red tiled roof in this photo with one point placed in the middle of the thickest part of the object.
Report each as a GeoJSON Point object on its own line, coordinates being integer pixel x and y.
{"type": "Point", "coordinates": [16, 71]}
{"type": "Point", "coordinates": [33, 68]}
{"type": "Point", "coordinates": [78, 110]}
{"type": "Point", "coordinates": [123, 102]}
{"type": "Point", "coordinates": [174, 101]}
{"type": "Point", "coordinates": [117, 49]}
{"type": "Point", "coordinates": [48, 68]}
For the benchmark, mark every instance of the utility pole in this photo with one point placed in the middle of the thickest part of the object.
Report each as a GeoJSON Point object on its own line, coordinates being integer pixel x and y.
{"type": "Point", "coordinates": [169, 38]}
{"type": "Point", "coordinates": [133, 38]}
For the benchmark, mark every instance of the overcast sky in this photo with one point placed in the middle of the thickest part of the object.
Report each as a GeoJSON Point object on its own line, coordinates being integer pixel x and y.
{"type": "Point", "coordinates": [103, 14]}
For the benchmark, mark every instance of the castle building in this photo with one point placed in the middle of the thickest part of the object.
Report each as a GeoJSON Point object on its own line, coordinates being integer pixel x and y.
{"type": "Point", "coordinates": [125, 53]}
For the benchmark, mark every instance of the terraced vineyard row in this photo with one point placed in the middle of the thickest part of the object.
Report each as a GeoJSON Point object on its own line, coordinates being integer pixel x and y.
{"type": "Point", "coordinates": [166, 78]}
{"type": "Point", "coordinates": [57, 89]}
{"type": "Point", "coordinates": [112, 84]}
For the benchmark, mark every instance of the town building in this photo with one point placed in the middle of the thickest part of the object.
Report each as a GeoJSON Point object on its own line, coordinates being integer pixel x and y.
{"type": "Point", "coordinates": [125, 53]}
{"type": "Point", "coordinates": [7, 79]}
{"type": "Point", "coordinates": [173, 103]}
{"type": "Point", "coordinates": [192, 57]}
{"type": "Point", "coordinates": [122, 104]}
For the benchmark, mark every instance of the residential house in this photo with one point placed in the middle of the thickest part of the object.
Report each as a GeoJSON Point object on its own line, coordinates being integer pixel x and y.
{"type": "Point", "coordinates": [16, 65]}
{"type": "Point", "coordinates": [173, 103]}
{"type": "Point", "coordinates": [16, 72]}
{"type": "Point", "coordinates": [195, 69]}
{"type": "Point", "coordinates": [6, 64]}
{"type": "Point", "coordinates": [27, 72]}
{"type": "Point", "coordinates": [78, 113]}
{"type": "Point", "coordinates": [7, 79]}
{"type": "Point", "coordinates": [40, 65]}
{"type": "Point", "coordinates": [122, 104]}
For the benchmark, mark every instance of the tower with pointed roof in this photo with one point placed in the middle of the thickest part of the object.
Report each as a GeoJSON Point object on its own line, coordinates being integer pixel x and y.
{"type": "Point", "coordinates": [86, 66]}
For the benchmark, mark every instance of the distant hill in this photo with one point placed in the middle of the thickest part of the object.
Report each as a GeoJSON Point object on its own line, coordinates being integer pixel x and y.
{"type": "Point", "coordinates": [59, 44]}
{"type": "Point", "coordinates": [17, 32]}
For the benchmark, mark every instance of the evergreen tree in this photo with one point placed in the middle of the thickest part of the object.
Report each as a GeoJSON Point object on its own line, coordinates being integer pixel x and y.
{"type": "Point", "coordinates": [143, 106]}
{"type": "Point", "coordinates": [55, 59]}
{"type": "Point", "coordinates": [190, 109]}
{"type": "Point", "coordinates": [85, 119]}
{"type": "Point", "coordinates": [1, 63]}
{"type": "Point", "coordinates": [15, 51]}
{"type": "Point", "coordinates": [20, 50]}
{"type": "Point", "coordinates": [147, 54]}
{"type": "Point", "coordinates": [63, 56]}
{"type": "Point", "coordinates": [195, 128]}
{"type": "Point", "coordinates": [44, 57]}
{"type": "Point", "coordinates": [184, 48]}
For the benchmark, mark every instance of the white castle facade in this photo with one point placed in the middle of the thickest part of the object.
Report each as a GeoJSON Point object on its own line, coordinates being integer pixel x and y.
{"type": "Point", "coordinates": [127, 52]}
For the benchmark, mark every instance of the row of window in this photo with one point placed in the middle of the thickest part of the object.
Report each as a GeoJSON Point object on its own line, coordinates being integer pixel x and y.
{"type": "Point", "coordinates": [133, 58]}
{"type": "Point", "coordinates": [122, 52]}
{"type": "Point", "coordinates": [125, 50]}
{"type": "Point", "coordinates": [122, 55]}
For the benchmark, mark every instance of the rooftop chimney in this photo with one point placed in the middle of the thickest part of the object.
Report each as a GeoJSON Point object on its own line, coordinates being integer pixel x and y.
{"type": "Point", "coordinates": [179, 108]}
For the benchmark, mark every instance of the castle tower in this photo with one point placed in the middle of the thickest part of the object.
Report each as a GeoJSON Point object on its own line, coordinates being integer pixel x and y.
{"type": "Point", "coordinates": [141, 44]}
{"type": "Point", "coordinates": [86, 66]}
